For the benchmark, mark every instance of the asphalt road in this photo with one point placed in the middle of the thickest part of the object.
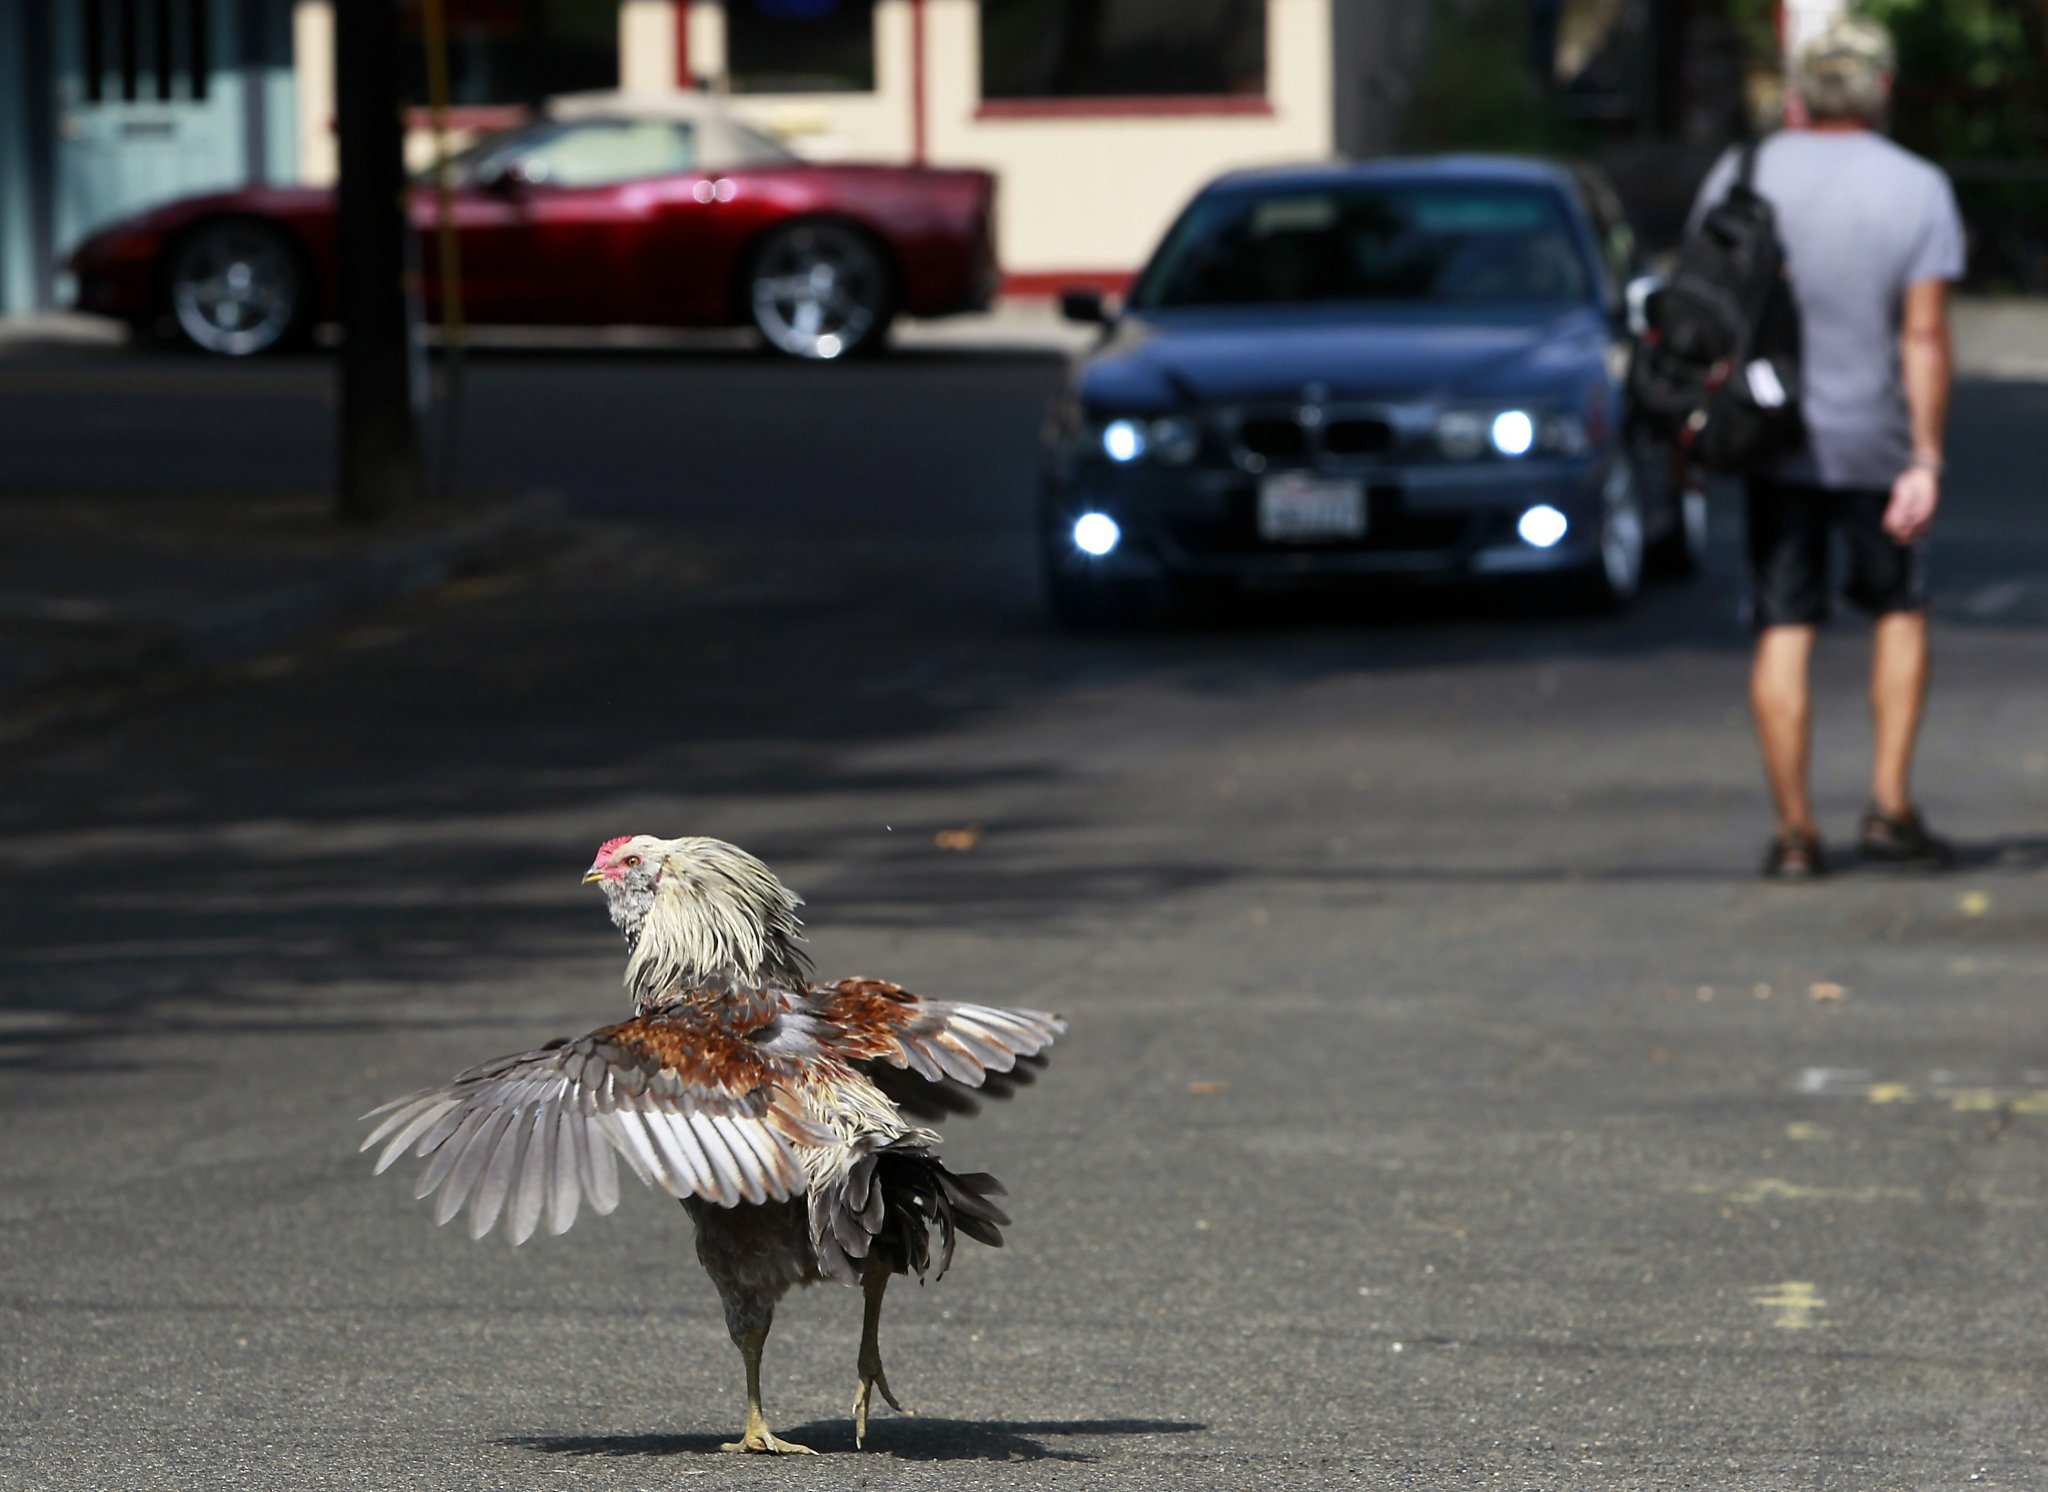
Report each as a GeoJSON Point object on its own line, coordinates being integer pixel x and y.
{"type": "Point", "coordinates": [1445, 1105]}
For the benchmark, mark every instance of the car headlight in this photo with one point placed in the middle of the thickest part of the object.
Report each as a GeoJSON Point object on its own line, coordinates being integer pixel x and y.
{"type": "Point", "coordinates": [1461, 434]}
{"type": "Point", "coordinates": [1468, 434]}
{"type": "Point", "coordinates": [1513, 432]}
{"type": "Point", "coordinates": [1172, 440]}
{"type": "Point", "coordinates": [1123, 440]}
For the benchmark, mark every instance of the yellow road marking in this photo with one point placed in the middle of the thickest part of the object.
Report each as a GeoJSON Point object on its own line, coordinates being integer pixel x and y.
{"type": "Point", "coordinates": [1794, 1302]}
{"type": "Point", "coordinates": [1775, 1189]}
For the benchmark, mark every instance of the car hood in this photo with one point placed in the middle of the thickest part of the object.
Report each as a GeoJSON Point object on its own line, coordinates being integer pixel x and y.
{"type": "Point", "coordinates": [1160, 360]}
{"type": "Point", "coordinates": [167, 217]}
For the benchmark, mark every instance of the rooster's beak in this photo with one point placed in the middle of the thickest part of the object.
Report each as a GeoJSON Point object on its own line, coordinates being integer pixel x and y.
{"type": "Point", "coordinates": [592, 874]}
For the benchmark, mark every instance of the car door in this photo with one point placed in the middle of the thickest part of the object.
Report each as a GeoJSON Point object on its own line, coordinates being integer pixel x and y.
{"type": "Point", "coordinates": [497, 252]}
{"type": "Point", "coordinates": [559, 226]}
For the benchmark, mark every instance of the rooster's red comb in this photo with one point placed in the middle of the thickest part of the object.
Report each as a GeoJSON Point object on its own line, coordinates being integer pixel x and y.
{"type": "Point", "coordinates": [604, 851]}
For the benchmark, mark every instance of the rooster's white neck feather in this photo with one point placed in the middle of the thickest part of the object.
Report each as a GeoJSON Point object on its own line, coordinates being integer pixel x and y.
{"type": "Point", "coordinates": [719, 916]}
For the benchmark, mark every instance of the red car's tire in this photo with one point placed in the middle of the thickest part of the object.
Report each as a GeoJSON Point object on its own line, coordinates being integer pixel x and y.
{"type": "Point", "coordinates": [821, 290]}
{"type": "Point", "coordinates": [237, 287]}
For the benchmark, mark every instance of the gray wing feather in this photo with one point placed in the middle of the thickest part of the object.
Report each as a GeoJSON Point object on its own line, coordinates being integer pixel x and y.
{"type": "Point", "coordinates": [600, 1172]}
{"type": "Point", "coordinates": [495, 1184]}
{"type": "Point", "coordinates": [430, 1112]}
{"type": "Point", "coordinates": [535, 1177]}
{"type": "Point", "coordinates": [945, 1058]}
{"type": "Point", "coordinates": [754, 1183]}
{"type": "Point", "coordinates": [469, 1166]}
{"type": "Point", "coordinates": [565, 1195]}
{"type": "Point", "coordinates": [539, 1134]}
{"type": "Point", "coordinates": [451, 1151]}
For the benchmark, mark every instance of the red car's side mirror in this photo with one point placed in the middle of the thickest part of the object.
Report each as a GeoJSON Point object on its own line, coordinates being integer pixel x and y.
{"type": "Point", "coordinates": [504, 178]}
{"type": "Point", "coordinates": [1084, 305]}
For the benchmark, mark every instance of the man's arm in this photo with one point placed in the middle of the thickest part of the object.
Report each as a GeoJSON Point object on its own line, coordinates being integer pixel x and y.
{"type": "Point", "coordinates": [1924, 365]}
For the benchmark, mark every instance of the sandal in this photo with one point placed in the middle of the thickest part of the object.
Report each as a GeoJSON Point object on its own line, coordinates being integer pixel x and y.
{"type": "Point", "coordinates": [1794, 856]}
{"type": "Point", "coordinates": [1903, 840]}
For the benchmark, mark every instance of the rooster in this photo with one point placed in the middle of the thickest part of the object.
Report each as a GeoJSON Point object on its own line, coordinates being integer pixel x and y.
{"type": "Point", "coordinates": [778, 1110]}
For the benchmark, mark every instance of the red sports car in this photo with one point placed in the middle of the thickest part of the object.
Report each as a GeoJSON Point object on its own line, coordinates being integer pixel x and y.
{"type": "Point", "coordinates": [607, 211]}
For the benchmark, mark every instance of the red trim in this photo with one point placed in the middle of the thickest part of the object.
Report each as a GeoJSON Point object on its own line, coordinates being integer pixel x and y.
{"type": "Point", "coordinates": [917, 99]}
{"type": "Point", "coordinates": [1044, 283]}
{"type": "Point", "coordinates": [470, 117]}
{"type": "Point", "coordinates": [1164, 106]}
{"type": "Point", "coordinates": [683, 79]}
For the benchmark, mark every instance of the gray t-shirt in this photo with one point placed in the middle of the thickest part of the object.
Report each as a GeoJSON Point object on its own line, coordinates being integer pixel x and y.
{"type": "Point", "coordinates": [1861, 219]}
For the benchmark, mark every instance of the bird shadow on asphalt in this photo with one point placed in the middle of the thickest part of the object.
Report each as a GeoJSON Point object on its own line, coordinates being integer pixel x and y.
{"type": "Point", "coordinates": [913, 1439]}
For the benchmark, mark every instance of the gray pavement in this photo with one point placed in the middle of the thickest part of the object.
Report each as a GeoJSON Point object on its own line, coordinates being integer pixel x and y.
{"type": "Point", "coordinates": [1444, 1106]}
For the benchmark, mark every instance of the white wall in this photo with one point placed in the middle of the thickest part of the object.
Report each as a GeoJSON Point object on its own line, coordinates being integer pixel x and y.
{"type": "Point", "coordinates": [1095, 193]}
{"type": "Point", "coordinates": [1078, 193]}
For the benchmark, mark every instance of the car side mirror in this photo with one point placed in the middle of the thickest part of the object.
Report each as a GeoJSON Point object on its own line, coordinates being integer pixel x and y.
{"type": "Point", "coordinates": [1084, 305]}
{"type": "Point", "coordinates": [1636, 298]}
{"type": "Point", "coordinates": [503, 178]}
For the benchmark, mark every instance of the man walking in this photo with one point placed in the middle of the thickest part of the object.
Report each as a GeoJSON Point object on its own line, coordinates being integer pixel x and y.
{"type": "Point", "coordinates": [1872, 237]}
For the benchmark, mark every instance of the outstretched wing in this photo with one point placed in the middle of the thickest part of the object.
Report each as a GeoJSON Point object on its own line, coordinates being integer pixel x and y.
{"type": "Point", "coordinates": [693, 1108]}
{"type": "Point", "coordinates": [932, 1058]}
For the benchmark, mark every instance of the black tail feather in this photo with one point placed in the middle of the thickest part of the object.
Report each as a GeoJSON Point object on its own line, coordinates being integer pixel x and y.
{"type": "Point", "coordinates": [891, 1200]}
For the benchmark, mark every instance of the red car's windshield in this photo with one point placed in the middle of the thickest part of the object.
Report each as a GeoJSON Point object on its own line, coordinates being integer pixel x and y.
{"type": "Point", "coordinates": [601, 151]}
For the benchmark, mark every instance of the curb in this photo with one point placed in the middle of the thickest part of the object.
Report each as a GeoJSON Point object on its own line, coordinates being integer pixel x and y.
{"type": "Point", "coordinates": [252, 626]}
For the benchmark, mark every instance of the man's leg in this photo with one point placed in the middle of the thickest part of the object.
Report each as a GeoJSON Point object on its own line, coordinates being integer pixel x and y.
{"type": "Point", "coordinates": [1781, 698]}
{"type": "Point", "coordinates": [1898, 691]}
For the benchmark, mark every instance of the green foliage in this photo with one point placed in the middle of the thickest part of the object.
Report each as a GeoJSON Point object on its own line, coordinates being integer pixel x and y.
{"type": "Point", "coordinates": [1972, 75]}
{"type": "Point", "coordinates": [1475, 88]}
{"type": "Point", "coordinates": [1972, 93]}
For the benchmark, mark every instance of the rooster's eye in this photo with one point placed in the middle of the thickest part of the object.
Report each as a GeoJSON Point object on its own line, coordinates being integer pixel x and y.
{"type": "Point", "coordinates": [632, 860]}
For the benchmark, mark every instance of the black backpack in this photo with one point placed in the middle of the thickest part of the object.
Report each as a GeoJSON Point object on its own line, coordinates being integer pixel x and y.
{"type": "Point", "coordinates": [1716, 369]}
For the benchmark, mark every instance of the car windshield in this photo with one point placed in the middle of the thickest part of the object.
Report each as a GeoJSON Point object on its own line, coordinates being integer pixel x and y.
{"type": "Point", "coordinates": [1458, 243]}
{"type": "Point", "coordinates": [585, 153]}
{"type": "Point", "coordinates": [595, 152]}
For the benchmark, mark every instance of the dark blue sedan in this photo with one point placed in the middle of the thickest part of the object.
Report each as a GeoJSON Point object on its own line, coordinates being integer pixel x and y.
{"type": "Point", "coordinates": [1376, 372]}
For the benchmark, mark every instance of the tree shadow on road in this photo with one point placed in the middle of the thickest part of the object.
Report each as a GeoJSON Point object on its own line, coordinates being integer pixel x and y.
{"type": "Point", "coordinates": [912, 1439]}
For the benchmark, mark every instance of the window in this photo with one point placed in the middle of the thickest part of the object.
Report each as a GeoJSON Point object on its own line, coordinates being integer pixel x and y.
{"type": "Point", "coordinates": [589, 153]}
{"type": "Point", "coordinates": [800, 46]}
{"type": "Point", "coordinates": [145, 51]}
{"type": "Point", "coordinates": [1402, 242]}
{"type": "Point", "coordinates": [517, 51]}
{"type": "Point", "coordinates": [1052, 49]}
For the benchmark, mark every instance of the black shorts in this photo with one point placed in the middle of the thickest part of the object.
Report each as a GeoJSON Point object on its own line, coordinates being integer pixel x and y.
{"type": "Point", "coordinates": [1786, 582]}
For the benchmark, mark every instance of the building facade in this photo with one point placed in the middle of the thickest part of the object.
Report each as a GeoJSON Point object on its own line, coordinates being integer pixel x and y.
{"type": "Point", "coordinates": [1100, 117]}
{"type": "Point", "coordinates": [109, 105]}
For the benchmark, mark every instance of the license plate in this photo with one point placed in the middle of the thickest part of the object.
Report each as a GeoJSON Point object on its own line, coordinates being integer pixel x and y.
{"type": "Point", "coordinates": [1295, 507]}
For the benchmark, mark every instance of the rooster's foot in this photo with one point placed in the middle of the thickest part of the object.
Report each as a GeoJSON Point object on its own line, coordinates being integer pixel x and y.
{"type": "Point", "coordinates": [760, 1439]}
{"type": "Point", "coordinates": [871, 1378]}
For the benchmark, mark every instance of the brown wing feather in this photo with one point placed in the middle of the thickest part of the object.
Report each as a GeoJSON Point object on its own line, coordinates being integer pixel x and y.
{"type": "Point", "coordinates": [932, 1058]}
{"type": "Point", "coordinates": [690, 1103]}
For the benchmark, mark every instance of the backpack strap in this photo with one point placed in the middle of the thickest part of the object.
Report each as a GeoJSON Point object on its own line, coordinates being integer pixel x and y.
{"type": "Point", "coordinates": [1745, 164]}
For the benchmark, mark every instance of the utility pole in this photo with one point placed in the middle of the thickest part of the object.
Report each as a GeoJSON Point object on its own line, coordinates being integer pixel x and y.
{"type": "Point", "coordinates": [380, 438]}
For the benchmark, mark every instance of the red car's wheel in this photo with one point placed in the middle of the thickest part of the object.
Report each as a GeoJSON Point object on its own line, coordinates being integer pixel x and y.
{"type": "Point", "coordinates": [236, 288]}
{"type": "Point", "coordinates": [821, 291]}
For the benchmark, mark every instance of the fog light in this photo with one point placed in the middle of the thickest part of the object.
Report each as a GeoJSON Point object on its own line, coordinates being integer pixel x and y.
{"type": "Point", "coordinates": [1513, 432]}
{"type": "Point", "coordinates": [1542, 526]}
{"type": "Point", "coordinates": [1096, 534]}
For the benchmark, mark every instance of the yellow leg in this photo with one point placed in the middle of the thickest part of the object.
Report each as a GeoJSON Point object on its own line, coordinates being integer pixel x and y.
{"type": "Point", "coordinates": [757, 1436]}
{"type": "Point", "coordinates": [871, 1375]}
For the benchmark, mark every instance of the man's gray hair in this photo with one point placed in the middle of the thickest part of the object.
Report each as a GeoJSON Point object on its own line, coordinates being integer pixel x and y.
{"type": "Point", "coordinates": [1846, 71]}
